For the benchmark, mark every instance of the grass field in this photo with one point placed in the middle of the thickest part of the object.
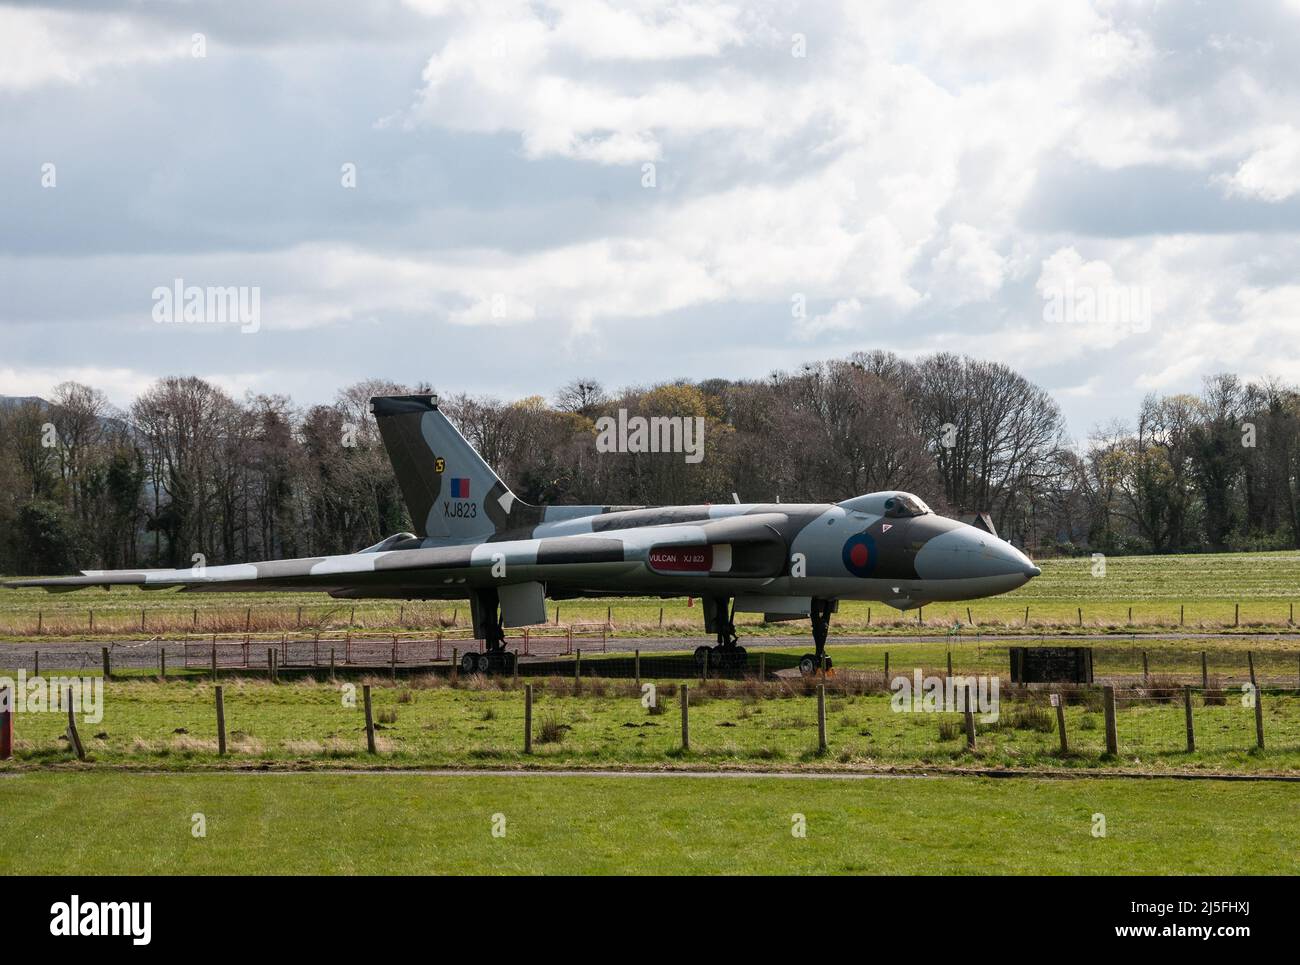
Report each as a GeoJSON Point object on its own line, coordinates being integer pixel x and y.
{"type": "Point", "coordinates": [426, 722]}
{"type": "Point", "coordinates": [423, 824]}
{"type": "Point", "coordinates": [1208, 587]}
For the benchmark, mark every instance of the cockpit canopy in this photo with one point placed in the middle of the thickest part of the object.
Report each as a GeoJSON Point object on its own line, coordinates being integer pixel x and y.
{"type": "Point", "coordinates": [904, 505]}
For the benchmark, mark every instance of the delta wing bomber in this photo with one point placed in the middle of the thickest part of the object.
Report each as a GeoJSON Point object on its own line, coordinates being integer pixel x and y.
{"type": "Point", "coordinates": [476, 540]}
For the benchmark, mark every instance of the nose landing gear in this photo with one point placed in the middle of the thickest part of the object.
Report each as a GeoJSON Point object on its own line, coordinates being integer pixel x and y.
{"type": "Point", "coordinates": [811, 663]}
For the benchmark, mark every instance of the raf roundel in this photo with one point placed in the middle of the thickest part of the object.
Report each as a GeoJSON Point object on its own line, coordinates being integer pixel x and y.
{"type": "Point", "coordinates": [860, 555]}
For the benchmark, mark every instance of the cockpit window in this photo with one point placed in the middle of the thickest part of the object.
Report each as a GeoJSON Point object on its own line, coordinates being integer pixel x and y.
{"type": "Point", "coordinates": [904, 505]}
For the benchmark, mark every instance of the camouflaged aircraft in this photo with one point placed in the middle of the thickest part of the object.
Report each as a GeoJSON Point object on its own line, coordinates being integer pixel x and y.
{"type": "Point", "coordinates": [474, 539]}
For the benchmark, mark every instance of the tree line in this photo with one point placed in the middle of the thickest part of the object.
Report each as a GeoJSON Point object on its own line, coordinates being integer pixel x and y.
{"type": "Point", "coordinates": [188, 470]}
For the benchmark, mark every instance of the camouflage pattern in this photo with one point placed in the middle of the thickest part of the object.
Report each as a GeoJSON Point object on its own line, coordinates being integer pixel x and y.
{"type": "Point", "coordinates": [474, 537]}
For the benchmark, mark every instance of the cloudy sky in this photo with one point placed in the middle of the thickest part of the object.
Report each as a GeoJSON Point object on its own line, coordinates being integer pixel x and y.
{"type": "Point", "coordinates": [498, 197]}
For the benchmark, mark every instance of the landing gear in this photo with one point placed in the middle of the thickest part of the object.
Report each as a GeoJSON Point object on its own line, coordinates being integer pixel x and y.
{"type": "Point", "coordinates": [727, 654]}
{"type": "Point", "coordinates": [496, 659]}
{"type": "Point", "coordinates": [810, 663]}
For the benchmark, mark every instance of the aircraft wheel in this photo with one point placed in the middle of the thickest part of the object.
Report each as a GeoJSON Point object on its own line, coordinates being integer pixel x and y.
{"type": "Point", "coordinates": [808, 664]}
{"type": "Point", "coordinates": [702, 654]}
{"type": "Point", "coordinates": [469, 662]}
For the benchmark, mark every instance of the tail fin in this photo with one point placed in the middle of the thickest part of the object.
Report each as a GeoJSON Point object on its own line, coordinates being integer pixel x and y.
{"type": "Point", "coordinates": [450, 491]}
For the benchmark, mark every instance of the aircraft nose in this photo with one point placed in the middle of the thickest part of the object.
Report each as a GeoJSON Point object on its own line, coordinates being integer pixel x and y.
{"type": "Point", "coordinates": [961, 551]}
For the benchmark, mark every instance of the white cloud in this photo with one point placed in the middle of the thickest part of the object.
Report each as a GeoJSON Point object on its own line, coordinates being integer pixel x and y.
{"type": "Point", "coordinates": [1272, 172]}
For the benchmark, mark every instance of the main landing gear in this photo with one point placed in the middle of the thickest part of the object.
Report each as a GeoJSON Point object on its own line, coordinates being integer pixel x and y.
{"type": "Point", "coordinates": [495, 658]}
{"type": "Point", "coordinates": [811, 663]}
{"type": "Point", "coordinates": [728, 654]}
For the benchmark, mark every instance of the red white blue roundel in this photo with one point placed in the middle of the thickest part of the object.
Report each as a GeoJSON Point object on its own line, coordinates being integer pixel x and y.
{"type": "Point", "coordinates": [860, 555]}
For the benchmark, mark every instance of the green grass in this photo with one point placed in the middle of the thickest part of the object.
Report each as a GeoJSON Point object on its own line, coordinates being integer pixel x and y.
{"type": "Point", "coordinates": [1207, 586]}
{"type": "Point", "coordinates": [112, 823]}
{"type": "Point", "coordinates": [427, 723]}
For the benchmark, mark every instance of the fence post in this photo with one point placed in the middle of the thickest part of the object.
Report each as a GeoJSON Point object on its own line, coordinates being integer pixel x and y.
{"type": "Point", "coordinates": [577, 671]}
{"type": "Point", "coordinates": [1180, 614]}
{"type": "Point", "coordinates": [528, 718]}
{"type": "Point", "coordinates": [162, 662]}
{"type": "Point", "coordinates": [1081, 616]}
{"type": "Point", "coordinates": [331, 663]}
{"type": "Point", "coordinates": [821, 718]}
{"type": "Point", "coordinates": [214, 656]}
{"type": "Point", "coordinates": [949, 663]}
{"type": "Point", "coordinates": [970, 721]}
{"type": "Point", "coordinates": [393, 668]}
{"type": "Point", "coordinates": [142, 630]}
{"type": "Point", "coordinates": [37, 672]}
{"type": "Point", "coordinates": [1259, 718]}
{"type": "Point", "coordinates": [108, 672]}
{"type": "Point", "coordinates": [455, 664]}
{"type": "Point", "coordinates": [1059, 700]}
{"type": "Point", "coordinates": [886, 668]}
{"type": "Point", "coordinates": [73, 737]}
{"type": "Point", "coordinates": [92, 621]}
{"type": "Point", "coordinates": [1250, 662]}
{"type": "Point", "coordinates": [6, 724]}
{"type": "Point", "coordinates": [40, 622]}
{"type": "Point", "coordinates": [970, 620]}
{"type": "Point", "coordinates": [705, 668]}
{"type": "Point", "coordinates": [221, 722]}
{"type": "Point", "coordinates": [637, 658]}
{"type": "Point", "coordinates": [1187, 713]}
{"type": "Point", "coordinates": [370, 720]}
{"type": "Point", "coordinates": [1026, 616]}
{"type": "Point", "coordinates": [1112, 735]}
{"type": "Point", "coordinates": [686, 727]}
{"type": "Point", "coordinates": [1146, 673]}
{"type": "Point", "coordinates": [661, 616]}
{"type": "Point", "coordinates": [1205, 672]}
{"type": "Point", "coordinates": [1236, 614]}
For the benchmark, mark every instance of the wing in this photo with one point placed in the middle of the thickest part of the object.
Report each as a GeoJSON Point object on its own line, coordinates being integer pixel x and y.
{"type": "Point", "coordinates": [448, 572]}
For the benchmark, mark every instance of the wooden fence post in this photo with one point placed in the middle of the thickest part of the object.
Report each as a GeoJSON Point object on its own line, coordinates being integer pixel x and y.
{"type": "Point", "coordinates": [455, 665]}
{"type": "Point", "coordinates": [1180, 614]}
{"type": "Point", "coordinates": [821, 718]}
{"type": "Point", "coordinates": [108, 672]}
{"type": "Point", "coordinates": [686, 727]}
{"type": "Point", "coordinates": [970, 620]}
{"type": "Point", "coordinates": [1259, 718]}
{"type": "Point", "coordinates": [1112, 733]}
{"type": "Point", "coordinates": [370, 720]}
{"type": "Point", "coordinates": [73, 737]}
{"type": "Point", "coordinates": [886, 668]}
{"type": "Point", "coordinates": [1080, 622]}
{"type": "Point", "coordinates": [528, 718]}
{"type": "Point", "coordinates": [221, 722]}
{"type": "Point", "coordinates": [1060, 722]}
{"type": "Point", "coordinates": [92, 621]}
{"type": "Point", "coordinates": [1146, 672]}
{"type": "Point", "coordinates": [1205, 671]}
{"type": "Point", "coordinates": [949, 663]}
{"type": "Point", "coordinates": [970, 721]}
{"type": "Point", "coordinates": [40, 622]}
{"type": "Point", "coordinates": [1187, 714]}
{"type": "Point", "coordinates": [37, 672]}
{"type": "Point", "coordinates": [1026, 616]}
{"type": "Point", "coordinates": [331, 663]}
{"type": "Point", "coordinates": [637, 658]}
{"type": "Point", "coordinates": [162, 663]}
{"type": "Point", "coordinates": [214, 656]}
{"type": "Point", "coordinates": [1250, 662]}
{"type": "Point", "coordinates": [577, 670]}
{"type": "Point", "coordinates": [1236, 614]}
{"type": "Point", "coordinates": [6, 723]}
